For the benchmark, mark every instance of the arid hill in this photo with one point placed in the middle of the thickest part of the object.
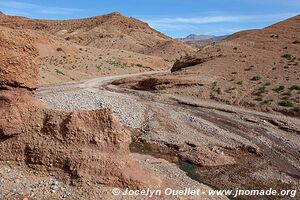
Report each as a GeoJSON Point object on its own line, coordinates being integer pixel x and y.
{"type": "Point", "coordinates": [111, 44]}
{"type": "Point", "coordinates": [257, 68]}
{"type": "Point", "coordinates": [112, 31]}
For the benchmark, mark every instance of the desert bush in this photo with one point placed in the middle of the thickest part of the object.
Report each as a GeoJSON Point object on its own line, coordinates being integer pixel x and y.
{"type": "Point", "coordinates": [289, 93]}
{"type": "Point", "coordinates": [280, 88]}
{"type": "Point", "coordinates": [295, 87]}
{"type": "Point", "coordinates": [239, 82]}
{"type": "Point", "coordinates": [286, 103]}
{"type": "Point", "coordinates": [255, 78]}
{"type": "Point", "coordinates": [297, 109]}
{"type": "Point", "coordinates": [267, 102]}
{"type": "Point", "coordinates": [261, 90]}
{"type": "Point", "coordinates": [59, 49]}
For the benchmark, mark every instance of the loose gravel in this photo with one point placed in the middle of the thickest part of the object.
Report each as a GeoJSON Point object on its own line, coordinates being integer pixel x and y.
{"type": "Point", "coordinates": [17, 183]}
{"type": "Point", "coordinates": [129, 111]}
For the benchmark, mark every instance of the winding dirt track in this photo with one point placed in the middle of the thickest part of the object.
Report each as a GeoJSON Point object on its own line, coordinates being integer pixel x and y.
{"type": "Point", "coordinates": [173, 120]}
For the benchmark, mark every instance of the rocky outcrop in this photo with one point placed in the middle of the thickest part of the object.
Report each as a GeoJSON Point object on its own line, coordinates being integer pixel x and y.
{"type": "Point", "coordinates": [188, 61]}
{"type": "Point", "coordinates": [76, 146]}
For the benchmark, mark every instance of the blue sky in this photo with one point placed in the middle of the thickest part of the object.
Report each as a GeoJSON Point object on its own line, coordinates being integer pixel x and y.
{"type": "Point", "coordinates": [176, 18]}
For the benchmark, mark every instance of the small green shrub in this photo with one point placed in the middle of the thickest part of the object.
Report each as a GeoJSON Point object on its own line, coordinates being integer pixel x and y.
{"type": "Point", "coordinates": [267, 84]}
{"type": "Point", "coordinates": [239, 82]}
{"type": "Point", "coordinates": [289, 93]}
{"type": "Point", "coordinates": [280, 88]}
{"type": "Point", "coordinates": [261, 90]}
{"type": "Point", "coordinates": [255, 78]}
{"type": "Point", "coordinates": [286, 103]}
{"type": "Point", "coordinates": [268, 102]}
{"type": "Point", "coordinates": [295, 87]}
{"type": "Point", "coordinates": [59, 49]}
{"type": "Point", "coordinates": [297, 109]}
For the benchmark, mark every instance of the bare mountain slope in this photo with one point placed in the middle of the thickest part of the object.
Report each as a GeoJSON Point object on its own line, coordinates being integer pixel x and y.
{"type": "Point", "coordinates": [112, 31]}
{"type": "Point", "coordinates": [64, 59]}
{"type": "Point", "coordinates": [257, 68]}
{"type": "Point", "coordinates": [202, 40]}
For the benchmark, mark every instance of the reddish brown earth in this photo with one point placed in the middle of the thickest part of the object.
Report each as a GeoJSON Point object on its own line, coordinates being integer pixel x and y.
{"type": "Point", "coordinates": [257, 69]}
{"type": "Point", "coordinates": [112, 31]}
{"type": "Point", "coordinates": [55, 154]}
{"type": "Point", "coordinates": [111, 44]}
{"type": "Point", "coordinates": [77, 146]}
{"type": "Point", "coordinates": [17, 55]}
{"type": "Point", "coordinates": [89, 150]}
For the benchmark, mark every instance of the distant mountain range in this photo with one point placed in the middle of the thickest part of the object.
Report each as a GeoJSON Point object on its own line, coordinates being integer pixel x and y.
{"type": "Point", "coordinates": [201, 40]}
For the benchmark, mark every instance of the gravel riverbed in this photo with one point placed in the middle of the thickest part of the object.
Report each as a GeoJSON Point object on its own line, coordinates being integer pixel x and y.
{"type": "Point", "coordinates": [129, 111]}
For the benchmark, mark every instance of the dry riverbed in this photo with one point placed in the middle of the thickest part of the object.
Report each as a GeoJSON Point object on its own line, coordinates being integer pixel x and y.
{"type": "Point", "coordinates": [219, 145]}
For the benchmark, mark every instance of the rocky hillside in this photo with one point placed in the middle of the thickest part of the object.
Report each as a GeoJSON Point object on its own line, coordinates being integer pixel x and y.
{"type": "Point", "coordinates": [257, 68]}
{"type": "Point", "coordinates": [112, 31]}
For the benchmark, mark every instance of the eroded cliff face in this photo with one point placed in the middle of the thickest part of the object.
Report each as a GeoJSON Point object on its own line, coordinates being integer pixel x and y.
{"type": "Point", "coordinates": [18, 65]}
{"type": "Point", "coordinates": [74, 146]}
